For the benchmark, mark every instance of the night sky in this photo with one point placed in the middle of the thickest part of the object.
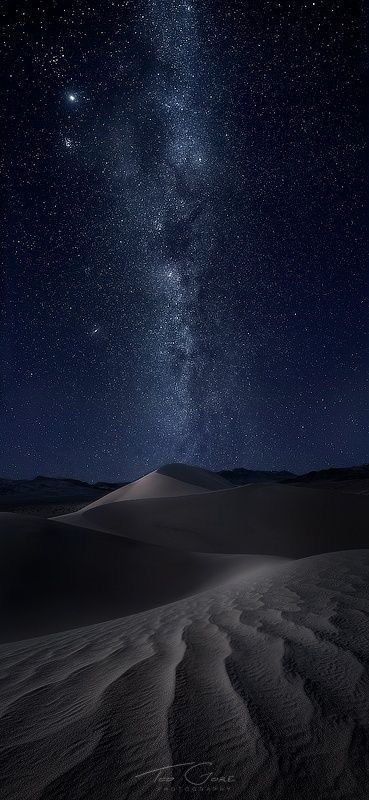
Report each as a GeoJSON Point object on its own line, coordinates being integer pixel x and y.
{"type": "Point", "coordinates": [186, 236]}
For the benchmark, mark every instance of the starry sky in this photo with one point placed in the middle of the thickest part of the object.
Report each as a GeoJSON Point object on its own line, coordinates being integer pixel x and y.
{"type": "Point", "coordinates": [185, 274]}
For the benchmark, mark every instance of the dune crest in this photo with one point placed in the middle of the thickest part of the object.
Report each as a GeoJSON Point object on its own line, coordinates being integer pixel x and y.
{"type": "Point", "coordinates": [170, 480]}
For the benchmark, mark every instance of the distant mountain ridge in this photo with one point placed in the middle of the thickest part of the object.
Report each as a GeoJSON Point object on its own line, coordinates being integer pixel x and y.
{"type": "Point", "coordinates": [333, 474]}
{"type": "Point", "coordinates": [240, 476]}
{"type": "Point", "coordinates": [346, 479]}
{"type": "Point", "coordinates": [54, 489]}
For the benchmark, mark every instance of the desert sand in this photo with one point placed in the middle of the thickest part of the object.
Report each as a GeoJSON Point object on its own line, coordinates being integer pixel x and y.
{"type": "Point", "coordinates": [181, 637]}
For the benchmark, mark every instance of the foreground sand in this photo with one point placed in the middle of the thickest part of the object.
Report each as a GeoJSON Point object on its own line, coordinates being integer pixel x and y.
{"type": "Point", "coordinates": [266, 679]}
{"type": "Point", "coordinates": [243, 675]}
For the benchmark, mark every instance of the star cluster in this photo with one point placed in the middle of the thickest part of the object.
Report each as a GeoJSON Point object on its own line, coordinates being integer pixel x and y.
{"type": "Point", "coordinates": [186, 236]}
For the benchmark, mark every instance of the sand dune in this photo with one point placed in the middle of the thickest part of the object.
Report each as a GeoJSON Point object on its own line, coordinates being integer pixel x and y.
{"type": "Point", "coordinates": [116, 558]}
{"type": "Point", "coordinates": [199, 662]}
{"type": "Point", "coordinates": [171, 480]}
{"type": "Point", "coordinates": [287, 521]}
{"type": "Point", "coordinates": [267, 682]}
{"type": "Point", "coordinates": [55, 576]}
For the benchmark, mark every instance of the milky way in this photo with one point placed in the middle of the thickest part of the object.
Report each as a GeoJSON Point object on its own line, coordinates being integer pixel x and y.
{"type": "Point", "coordinates": [186, 237]}
{"type": "Point", "coordinates": [171, 206]}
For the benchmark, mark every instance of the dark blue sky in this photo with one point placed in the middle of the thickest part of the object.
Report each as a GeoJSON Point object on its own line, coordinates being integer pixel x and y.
{"type": "Point", "coordinates": [186, 237]}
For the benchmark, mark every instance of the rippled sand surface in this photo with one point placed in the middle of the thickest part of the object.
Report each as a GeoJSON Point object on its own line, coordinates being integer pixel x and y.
{"type": "Point", "coordinates": [259, 688]}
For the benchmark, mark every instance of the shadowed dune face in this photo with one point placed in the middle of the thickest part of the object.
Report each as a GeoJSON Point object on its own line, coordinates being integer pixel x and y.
{"type": "Point", "coordinates": [194, 476]}
{"type": "Point", "coordinates": [122, 555]}
{"type": "Point", "coordinates": [266, 681]}
{"type": "Point", "coordinates": [54, 576]}
{"type": "Point", "coordinates": [286, 521]}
